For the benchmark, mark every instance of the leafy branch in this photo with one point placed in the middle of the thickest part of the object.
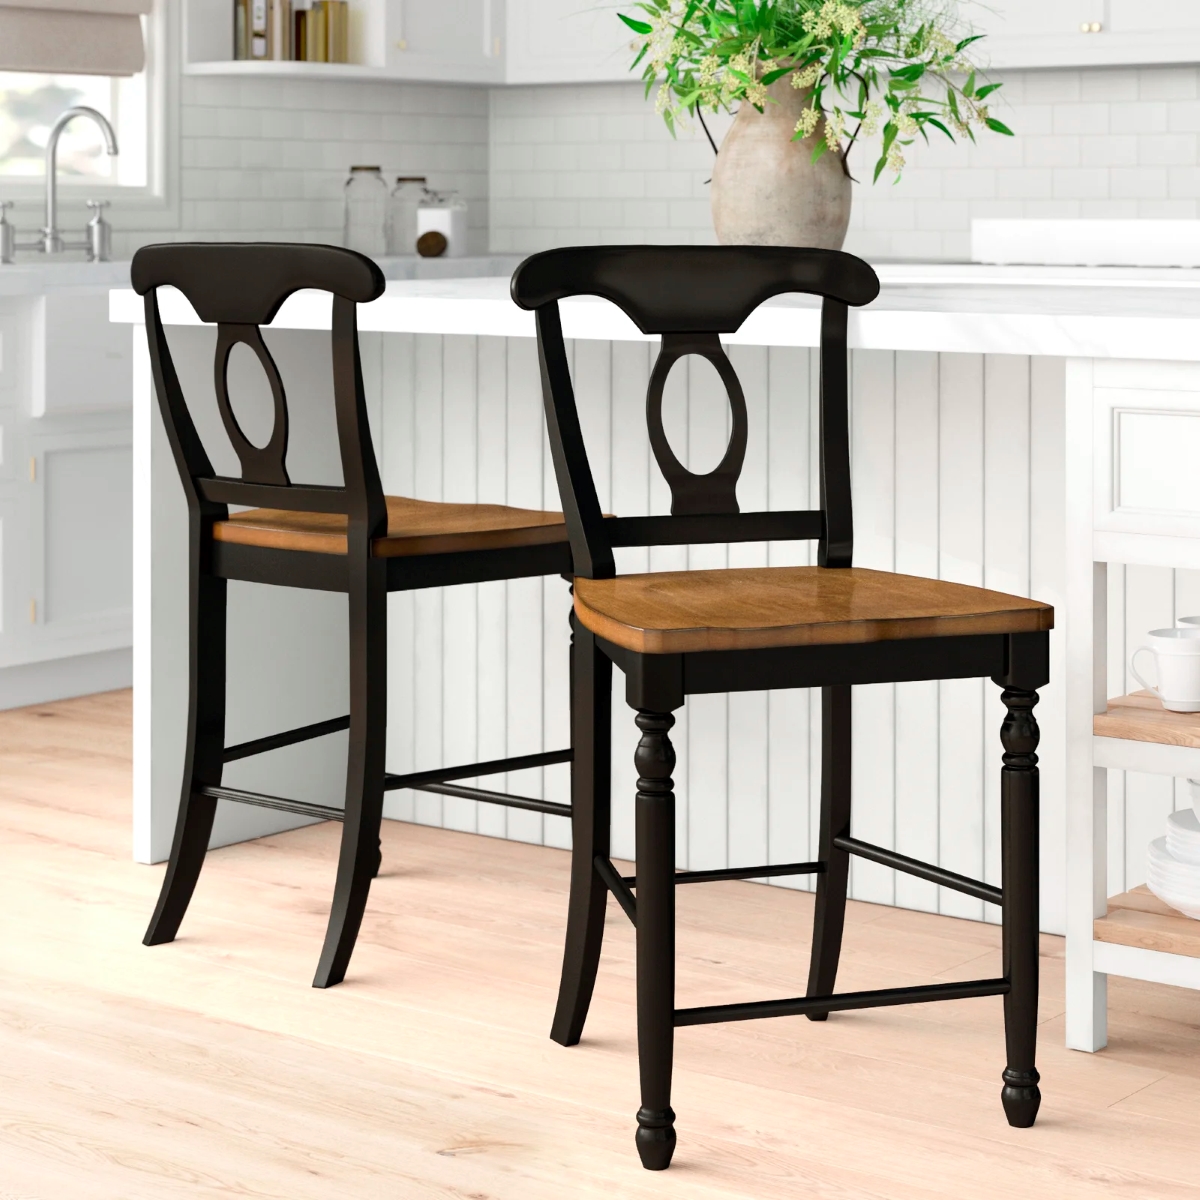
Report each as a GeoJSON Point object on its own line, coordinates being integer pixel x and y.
{"type": "Point", "coordinates": [896, 68]}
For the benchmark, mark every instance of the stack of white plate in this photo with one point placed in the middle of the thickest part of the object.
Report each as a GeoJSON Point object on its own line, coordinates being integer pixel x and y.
{"type": "Point", "coordinates": [1173, 864]}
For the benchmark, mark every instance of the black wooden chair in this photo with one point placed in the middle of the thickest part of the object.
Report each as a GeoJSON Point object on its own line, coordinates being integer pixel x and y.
{"type": "Point", "coordinates": [683, 633]}
{"type": "Point", "coordinates": [350, 539]}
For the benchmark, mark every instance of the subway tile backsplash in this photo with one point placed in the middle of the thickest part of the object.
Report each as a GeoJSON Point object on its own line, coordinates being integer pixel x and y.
{"type": "Point", "coordinates": [1090, 143]}
{"type": "Point", "coordinates": [267, 158]}
{"type": "Point", "coordinates": [553, 165]}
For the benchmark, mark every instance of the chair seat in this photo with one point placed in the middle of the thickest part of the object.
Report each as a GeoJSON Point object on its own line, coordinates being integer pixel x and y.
{"type": "Point", "coordinates": [414, 527]}
{"type": "Point", "coordinates": [675, 612]}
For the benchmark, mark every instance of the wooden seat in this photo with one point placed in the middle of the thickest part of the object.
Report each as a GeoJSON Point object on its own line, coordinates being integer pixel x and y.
{"type": "Point", "coordinates": [676, 612]}
{"type": "Point", "coordinates": [414, 527]}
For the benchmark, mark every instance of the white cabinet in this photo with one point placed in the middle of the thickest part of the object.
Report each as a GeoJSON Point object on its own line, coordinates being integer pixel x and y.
{"type": "Point", "coordinates": [65, 496]}
{"type": "Point", "coordinates": [568, 41]}
{"type": "Point", "coordinates": [1020, 19]}
{"type": "Point", "coordinates": [1166, 17]}
{"type": "Point", "coordinates": [1066, 33]}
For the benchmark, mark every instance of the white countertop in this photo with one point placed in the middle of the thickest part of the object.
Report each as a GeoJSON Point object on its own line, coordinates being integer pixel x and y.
{"type": "Point", "coordinates": [33, 276]}
{"type": "Point", "coordinates": [1087, 312]}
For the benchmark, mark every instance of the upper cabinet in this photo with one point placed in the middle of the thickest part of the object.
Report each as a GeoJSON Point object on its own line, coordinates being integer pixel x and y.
{"type": "Point", "coordinates": [1160, 17]}
{"type": "Point", "coordinates": [584, 41]}
{"type": "Point", "coordinates": [567, 41]}
{"type": "Point", "coordinates": [1077, 33]}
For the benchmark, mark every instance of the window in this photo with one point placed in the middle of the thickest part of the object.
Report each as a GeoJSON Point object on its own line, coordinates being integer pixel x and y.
{"type": "Point", "coordinates": [29, 106]}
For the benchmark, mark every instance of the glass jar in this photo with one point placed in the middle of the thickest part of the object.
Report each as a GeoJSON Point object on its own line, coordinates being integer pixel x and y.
{"type": "Point", "coordinates": [407, 195]}
{"type": "Point", "coordinates": [366, 206]}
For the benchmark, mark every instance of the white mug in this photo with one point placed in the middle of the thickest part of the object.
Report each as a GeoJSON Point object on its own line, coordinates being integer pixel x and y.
{"type": "Point", "coordinates": [1177, 657]}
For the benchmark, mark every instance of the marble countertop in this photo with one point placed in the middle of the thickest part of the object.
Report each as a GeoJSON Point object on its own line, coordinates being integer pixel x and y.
{"type": "Point", "coordinates": [1088, 312]}
{"type": "Point", "coordinates": [33, 276]}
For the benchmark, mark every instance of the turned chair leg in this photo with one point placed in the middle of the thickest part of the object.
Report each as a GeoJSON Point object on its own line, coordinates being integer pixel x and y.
{"type": "Point", "coordinates": [591, 731]}
{"type": "Point", "coordinates": [204, 756]}
{"type": "Point", "coordinates": [359, 858]}
{"type": "Point", "coordinates": [655, 819]}
{"type": "Point", "coordinates": [829, 916]}
{"type": "Point", "coordinates": [1019, 824]}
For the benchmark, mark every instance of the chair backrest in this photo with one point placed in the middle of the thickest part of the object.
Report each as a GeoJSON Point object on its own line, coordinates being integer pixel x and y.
{"type": "Point", "coordinates": [690, 295]}
{"type": "Point", "coordinates": [240, 287]}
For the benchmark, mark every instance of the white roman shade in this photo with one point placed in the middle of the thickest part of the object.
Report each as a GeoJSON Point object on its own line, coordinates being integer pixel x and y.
{"type": "Point", "coordinates": [73, 37]}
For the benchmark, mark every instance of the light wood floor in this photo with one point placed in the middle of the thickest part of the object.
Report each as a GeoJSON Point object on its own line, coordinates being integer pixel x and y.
{"type": "Point", "coordinates": [210, 1067]}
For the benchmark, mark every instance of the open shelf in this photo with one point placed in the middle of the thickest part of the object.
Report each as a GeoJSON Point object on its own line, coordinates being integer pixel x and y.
{"type": "Point", "coordinates": [1139, 918]}
{"type": "Point", "coordinates": [1137, 734]}
{"type": "Point", "coordinates": [1140, 717]}
{"type": "Point", "coordinates": [288, 70]}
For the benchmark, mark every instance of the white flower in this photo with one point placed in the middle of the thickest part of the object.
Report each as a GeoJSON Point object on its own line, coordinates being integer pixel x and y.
{"type": "Point", "coordinates": [807, 76]}
{"type": "Point", "coordinates": [835, 127]}
{"type": "Point", "coordinates": [872, 116]}
{"type": "Point", "coordinates": [809, 119]}
{"type": "Point", "coordinates": [895, 159]}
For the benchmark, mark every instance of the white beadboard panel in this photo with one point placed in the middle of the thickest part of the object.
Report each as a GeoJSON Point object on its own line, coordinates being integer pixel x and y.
{"type": "Point", "coordinates": [961, 743]}
{"type": "Point", "coordinates": [1006, 539]}
{"type": "Point", "coordinates": [918, 737]}
{"type": "Point", "coordinates": [1047, 581]}
{"type": "Point", "coordinates": [954, 456]}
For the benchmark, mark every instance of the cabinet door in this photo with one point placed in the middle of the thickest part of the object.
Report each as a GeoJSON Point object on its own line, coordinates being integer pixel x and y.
{"type": "Point", "coordinates": [1154, 16]}
{"type": "Point", "coordinates": [455, 40]}
{"type": "Point", "coordinates": [1035, 18]}
{"type": "Point", "coordinates": [568, 41]}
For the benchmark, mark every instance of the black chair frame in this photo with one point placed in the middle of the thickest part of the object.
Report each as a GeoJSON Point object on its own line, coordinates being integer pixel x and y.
{"type": "Point", "coordinates": [240, 287]}
{"type": "Point", "coordinates": [690, 296]}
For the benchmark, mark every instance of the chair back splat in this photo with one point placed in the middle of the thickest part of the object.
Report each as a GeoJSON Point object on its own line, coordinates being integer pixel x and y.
{"type": "Point", "coordinates": [240, 287]}
{"type": "Point", "coordinates": [690, 295]}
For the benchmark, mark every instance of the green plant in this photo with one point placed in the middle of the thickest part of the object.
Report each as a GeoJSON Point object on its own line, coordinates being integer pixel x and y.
{"type": "Point", "coordinates": [888, 67]}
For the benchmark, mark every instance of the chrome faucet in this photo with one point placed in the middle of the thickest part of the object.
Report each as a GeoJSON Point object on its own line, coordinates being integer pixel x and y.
{"type": "Point", "coordinates": [51, 241]}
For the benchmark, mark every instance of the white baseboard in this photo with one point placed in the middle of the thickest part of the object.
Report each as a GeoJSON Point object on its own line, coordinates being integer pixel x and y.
{"type": "Point", "coordinates": [61, 678]}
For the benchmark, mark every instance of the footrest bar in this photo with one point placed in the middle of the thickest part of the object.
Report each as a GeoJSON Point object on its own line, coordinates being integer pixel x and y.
{"type": "Point", "coordinates": [472, 793]}
{"type": "Point", "coordinates": [617, 885]}
{"type": "Point", "coordinates": [836, 1003]}
{"type": "Point", "coordinates": [277, 741]}
{"type": "Point", "coordinates": [910, 866]}
{"type": "Point", "coordinates": [810, 868]}
{"type": "Point", "coordinates": [523, 762]}
{"type": "Point", "coordinates": [321, 811]}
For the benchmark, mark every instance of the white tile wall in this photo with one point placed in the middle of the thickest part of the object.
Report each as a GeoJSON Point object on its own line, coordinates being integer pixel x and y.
{"type": "Point", "coordinates": [587, 164]}
{"type": "Point", "coordinates": [268, 158]}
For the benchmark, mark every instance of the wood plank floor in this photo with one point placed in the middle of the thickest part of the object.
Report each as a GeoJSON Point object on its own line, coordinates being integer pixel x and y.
{"type": "Point", "coordinates": [210, 1067]}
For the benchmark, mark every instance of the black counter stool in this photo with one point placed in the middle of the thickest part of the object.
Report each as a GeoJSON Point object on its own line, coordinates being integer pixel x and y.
{"type": "Point", "coordinates": [350, 539]}
{"type": "Point", "coordinates": [684, 633]}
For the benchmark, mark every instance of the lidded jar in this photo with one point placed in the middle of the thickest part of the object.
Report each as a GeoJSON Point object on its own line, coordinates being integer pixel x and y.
{"type": "Point", "coordinates": [408, 194]}
{"type": "Point", "coordinates": [366, 209]}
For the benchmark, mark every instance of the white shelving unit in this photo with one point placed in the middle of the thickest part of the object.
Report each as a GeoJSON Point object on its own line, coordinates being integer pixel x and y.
{"type": "Point", "coordinates": [1133, 497]}
{"type": "Point", "coordinates": [433, 41]}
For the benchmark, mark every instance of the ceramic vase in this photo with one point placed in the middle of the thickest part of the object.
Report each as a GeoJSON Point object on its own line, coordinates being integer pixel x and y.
{"type": "Point", "coordinates": [767, 191]}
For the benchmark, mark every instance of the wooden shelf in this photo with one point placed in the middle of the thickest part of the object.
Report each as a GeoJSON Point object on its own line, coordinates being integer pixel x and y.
{"type": "Point", "coordinates": [1141, 919]}
{"type": "Point", "coordinates": [1140, 717]}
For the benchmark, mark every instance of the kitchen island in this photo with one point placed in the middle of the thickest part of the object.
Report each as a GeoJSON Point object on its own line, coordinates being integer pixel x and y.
{"type": "Point", "coordinates": [977, 457]}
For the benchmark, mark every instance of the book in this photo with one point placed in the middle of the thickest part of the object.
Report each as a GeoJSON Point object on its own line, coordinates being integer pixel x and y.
{"type": "Point", "coordinates": [337, 25]}
{"type": "Point", "coordinates": [260, 30]}
{"type": "Point", "coordinates": [300, 34]}
{"type": "Point", "coordinates": [316, 35]}
{"type": "Point", "coordinates": [241, 29]}
{"type": "Point", "coordinates": [282, 30]}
